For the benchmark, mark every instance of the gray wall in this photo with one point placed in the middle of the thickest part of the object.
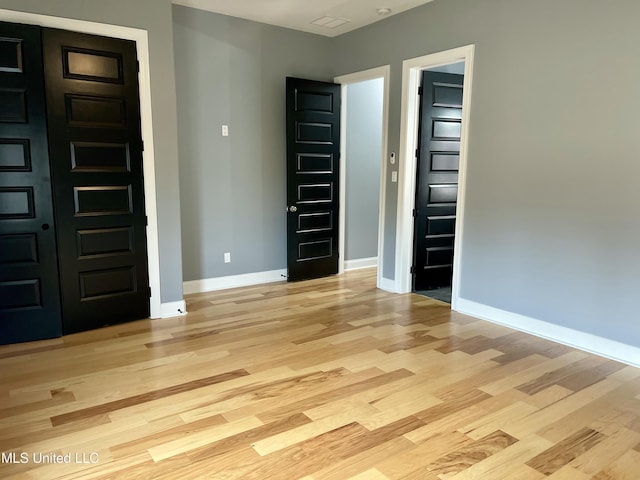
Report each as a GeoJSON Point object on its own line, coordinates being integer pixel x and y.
{"type": "Point", "coordinates": [155, 17]}
{"type": "Point", "coordinates": [232, 71]}
{"type": "Point", "coordinates": [551, 216]}
{"type": "Point", "coordinates": [362, 164]}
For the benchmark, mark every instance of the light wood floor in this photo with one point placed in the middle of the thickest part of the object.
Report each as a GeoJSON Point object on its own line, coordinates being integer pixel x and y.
{"type": "Point", "coordinates": [326, 379]}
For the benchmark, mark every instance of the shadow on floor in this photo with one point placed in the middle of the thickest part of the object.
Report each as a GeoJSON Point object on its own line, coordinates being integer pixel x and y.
{"type": "Point", "coordinates": [443, 294]}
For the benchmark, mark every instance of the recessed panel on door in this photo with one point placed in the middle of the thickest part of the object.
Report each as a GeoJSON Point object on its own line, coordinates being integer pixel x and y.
{"type": "Point", "coordinates": [21, 248]}
{"type": "Point", "coordinates": [100, 157]}
{"type": "Point", "coordinates": [95, 111]}
{"type": "Point", "coordinates": [107, 283]}
{"type": "Point", "coordinates": [444, 225]}
{"type": "Point", "coordinates": [443, 194]}
{"type": "Point", "coordinates": [439, 256]}
{"type": "Point", "coordinates": [446, 129]}
{"type": "Point", "coordinates": [92, 65]}
{"type": "Point", "coordinates": [11, 55]}
{"type": "Point", "coordinates": [447, 95]}
{"type": "Point", "coordinates": [15, 155]}
{"type": "Point", "coordinates": [107, 200]}
{"type": "Point", "coordinates": [315, 193]}
{"type": "Point", "coordinates": [16, 202]}
{"type": "Point", "coordinates": [444, 162]}
{"type": "Point", "coordinates": [105, 241]}
{"type": "Point", "coordinates": [315, 163]}
{"type": "Point", "coordinates": [14, 105]}
{"type": "Point", "coordinates": [315, 222]}
{"type": "Point", "coordinates": [315, 250]}
{"type": "Point", "coordinates": [20, 295]}
{"type": "Point", "coordinates": [314, 133]}
{"type": "Point", "coordinates": [314, 102]}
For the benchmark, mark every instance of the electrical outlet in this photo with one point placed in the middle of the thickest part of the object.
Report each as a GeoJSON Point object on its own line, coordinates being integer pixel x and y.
{"type": "Point", "coordinates": [227, 257]}
{"type": "Point", "coordinates": [225, 130]}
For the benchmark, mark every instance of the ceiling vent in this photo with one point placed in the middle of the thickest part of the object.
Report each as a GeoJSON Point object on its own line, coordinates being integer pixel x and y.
{"type": "Point", "coordinates": [330, 22]}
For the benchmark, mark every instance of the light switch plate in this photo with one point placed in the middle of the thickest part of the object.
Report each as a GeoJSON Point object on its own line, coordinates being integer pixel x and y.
{"type": "Point", "coordinates": [225, 130]}
{"type": "Point", "coordinates": [394, 176]}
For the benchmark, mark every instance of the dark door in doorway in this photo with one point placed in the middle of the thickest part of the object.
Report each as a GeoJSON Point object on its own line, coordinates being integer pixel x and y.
{"type": "Point", "coordinates": [313, 161]}
{"type": "Point", "coordinates": [29, 289]}
{"type": "Point", "coordinates": [95, 145]}
{"type": "Point", "coordinates": [437, 179]}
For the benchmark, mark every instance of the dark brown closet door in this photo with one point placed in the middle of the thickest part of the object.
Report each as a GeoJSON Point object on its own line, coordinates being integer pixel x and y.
{"type": "Point", "coordinates": [29, 289]}
{"type": "Point", "coordinates": [96, 155]}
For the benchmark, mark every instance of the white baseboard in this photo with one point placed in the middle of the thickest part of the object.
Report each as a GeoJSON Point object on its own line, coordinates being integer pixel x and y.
{"type": "Point", "coordinates": [360, 263]}
{"type": "Point", "coordinates": [233, 281]}
{"type": "Point", "coordinates": [604, 347]}
{"type": "Point", "coordinates": [173, 309]}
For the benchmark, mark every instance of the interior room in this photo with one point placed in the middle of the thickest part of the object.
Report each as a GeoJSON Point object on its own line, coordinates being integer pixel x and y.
{"type": "Point", "coordinates": [532, 370]}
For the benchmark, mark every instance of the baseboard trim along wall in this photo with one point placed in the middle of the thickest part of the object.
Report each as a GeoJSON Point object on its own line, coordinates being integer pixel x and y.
{"type": "Point", "coordinates": [173, 309]}
{"type": "Point", "coordinates": [233, 281]}
{"type": "Point", "coordinates": [604, 347]}
{"type": "Point", "coordinates": [360, 263]}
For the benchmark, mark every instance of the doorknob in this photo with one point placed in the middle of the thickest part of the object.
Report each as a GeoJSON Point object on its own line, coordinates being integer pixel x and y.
{"type": "Point", "coordinates": [293, 209]}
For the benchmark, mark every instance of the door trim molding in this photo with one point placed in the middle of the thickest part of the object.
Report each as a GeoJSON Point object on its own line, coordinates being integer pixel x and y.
{"type": "Point", "coordinates": [383, 72]}
{"type": "Point", "coordinates": [410, 109]}
{"type": "Point", "coordinates": [146, 118]}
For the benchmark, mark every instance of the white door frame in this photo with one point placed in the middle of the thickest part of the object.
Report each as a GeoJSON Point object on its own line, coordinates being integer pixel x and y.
{"type": "Point", "coordinates": [411, 70]}
{"type": "Point", "coordinates": [383, 72]}
{"type": "Point", "coordinates": [144, 77]}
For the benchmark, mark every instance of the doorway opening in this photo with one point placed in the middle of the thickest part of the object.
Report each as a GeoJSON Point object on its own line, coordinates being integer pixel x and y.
{"type": "Point", "coordinates": [412, 73]}
{"type": "Point", "coordinates": [363, 152]}
{"type": "Point", "coordinates": [437, 164]}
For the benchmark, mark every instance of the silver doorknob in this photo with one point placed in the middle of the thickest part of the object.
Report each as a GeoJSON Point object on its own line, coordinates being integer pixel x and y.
{"type": "Point", "coordinates": [293, 209]}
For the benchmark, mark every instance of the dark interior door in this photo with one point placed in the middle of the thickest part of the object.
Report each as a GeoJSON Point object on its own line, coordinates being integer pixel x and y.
{"type": "Point", "coordinates": [437, 179]}
{"type": "Point", "coordinates": [95, 146]}
{"type": "Point", "coordinates": [29, 289]}
{"type": "Point", "coordinates": [313, 159]}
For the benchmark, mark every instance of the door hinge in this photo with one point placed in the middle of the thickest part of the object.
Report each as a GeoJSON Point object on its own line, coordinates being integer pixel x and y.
{"type": "Point", "coordinates": [138, 66]}
{"type": "Point", "coordinates": [417, 153]}
{"type": "Point", "coordinates": [420, 90]}
{"type": "Point", "coordinates": [142, 145]}
{"type": "Point", "coordinates": [149, 292]}
{"type": "Point", "coordinates": [414, 213]}
{"type": "Point", "coordinates": [146, 221]}
{"type": "Point", "coordinates": [412, 270]}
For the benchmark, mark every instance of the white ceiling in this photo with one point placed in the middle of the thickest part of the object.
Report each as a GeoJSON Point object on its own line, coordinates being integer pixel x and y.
{"type": "Point", "coordinates": [299, 14]}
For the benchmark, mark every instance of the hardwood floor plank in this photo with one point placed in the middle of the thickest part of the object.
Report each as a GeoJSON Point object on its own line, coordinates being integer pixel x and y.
{"type": "Point", "coordinates": [371, 474]}
{"type": "Point", "coordinates": [508, 463]}
{"type": "Point", "coordinates": [145, 397]}
{"type": "Point", "coordinates": [624, 468]}
{"type": "Point", "coordinates": [366, 459]}
{"type": "Point", "coordinates": [372, 384]}
{"type": "Point", "coordinates": [548, 415]}
{"type": "Point", "coordinates": [565, 451]}
{"type": "Point", "coordinates": [457, 419]}
{"type": "Point", "coordinates": [606, 452]}
{"type": "Point", "coordinates": [459, 460]}
{"type": "Point", "coordinates": [201, 438]}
